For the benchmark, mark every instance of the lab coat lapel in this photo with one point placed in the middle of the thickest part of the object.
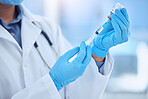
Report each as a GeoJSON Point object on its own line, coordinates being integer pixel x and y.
{"type": "Point", "coordinates": [30, 33]}
{"type": "Point", "coordinates": [4, 34]}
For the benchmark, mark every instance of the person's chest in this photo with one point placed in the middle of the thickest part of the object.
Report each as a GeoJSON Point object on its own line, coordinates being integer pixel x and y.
{"type": "Point", "coordinates": [20, 71]}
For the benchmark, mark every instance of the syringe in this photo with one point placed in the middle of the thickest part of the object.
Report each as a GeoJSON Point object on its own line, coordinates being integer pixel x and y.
{"type": "Point", "coordinates": [117, 6]}
{"type": "Point", "coordinates": [94, 35]}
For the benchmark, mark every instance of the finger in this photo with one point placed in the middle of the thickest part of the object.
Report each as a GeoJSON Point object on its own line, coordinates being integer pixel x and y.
{"type": "Point", "coordinates": [68, 55]}
{"type": "Point", "coordinates": [116, 27]}
{"type": "Point", "coordinates": [82, 53]}
{"type": "Point", "coordinates": [120, 23]}
{"type": "Point", "coordinates": [88, 56]}
{"type": "Point", "coordinates": [121, 17]}
{"type": "Point", "coordinates": [124, 12]}
{"type": "Point", "coordinates": [122, 27]}
{"type": "Point", "coordinates": [126, 35]}
{"type": "Point", "coordinates": [107, 26]}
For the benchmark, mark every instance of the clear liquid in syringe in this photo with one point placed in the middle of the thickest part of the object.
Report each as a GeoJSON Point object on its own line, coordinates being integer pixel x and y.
{"type": "Point", "coordinates": [117, 6]}
{"type": "Point", "coordinates": [93, 36]}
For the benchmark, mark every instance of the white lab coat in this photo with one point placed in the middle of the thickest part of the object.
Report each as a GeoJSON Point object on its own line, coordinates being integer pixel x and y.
{"type": "Point", "coordinates": [23, 74]}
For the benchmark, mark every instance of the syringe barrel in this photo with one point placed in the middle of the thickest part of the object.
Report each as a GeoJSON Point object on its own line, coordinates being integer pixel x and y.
{"type": "Point", "coordinates": [117, 6]}
{"type": "Point", "coordinates": [90, 39]}
{"type": "Point", "coordinates": [93, 36]}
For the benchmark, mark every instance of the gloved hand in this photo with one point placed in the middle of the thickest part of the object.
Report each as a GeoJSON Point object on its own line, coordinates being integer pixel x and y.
{"type": "Point", "coordinates": [116, 31]}
{"type": "Point", "coordinates": [64, 72]}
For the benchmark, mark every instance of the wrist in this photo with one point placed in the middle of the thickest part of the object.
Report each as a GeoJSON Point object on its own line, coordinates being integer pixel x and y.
{"type": "Point", "coordinates": [98, 59]}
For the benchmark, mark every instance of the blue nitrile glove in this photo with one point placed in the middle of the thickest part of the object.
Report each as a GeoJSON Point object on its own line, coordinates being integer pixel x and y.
{"type": "Point", "coordinates": [116, 31]}
{"type": "Point", "coordinates": [65, 72]}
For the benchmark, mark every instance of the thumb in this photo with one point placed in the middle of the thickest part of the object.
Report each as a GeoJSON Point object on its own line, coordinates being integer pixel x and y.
{"type": "Point", "coordinates": [68, 55]}
{"type": "Point", "coordinates": [107, 27]}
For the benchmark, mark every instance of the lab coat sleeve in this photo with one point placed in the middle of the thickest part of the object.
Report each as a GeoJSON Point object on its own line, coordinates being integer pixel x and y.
{"type": "Point", "coordinates": [100, 66]}
{"type": "Point", "coordinates": [44, 88]}
{"type": "Point", "coordinates": [102, 78]}
{"type": "Point", "coordinates": [104, 70]}
{"type": "Point", "coordinates": [92, 83]}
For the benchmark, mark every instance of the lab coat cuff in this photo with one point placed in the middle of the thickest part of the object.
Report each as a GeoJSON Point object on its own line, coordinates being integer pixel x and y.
{"type": "Point", "coordinates": [100, 66]}
{"type": "Point", "coordinates": [51, 86]}
{"type": "Point", "coordinates": [107, 67]}
{"type": "Point", "coordinates": [58, 86]}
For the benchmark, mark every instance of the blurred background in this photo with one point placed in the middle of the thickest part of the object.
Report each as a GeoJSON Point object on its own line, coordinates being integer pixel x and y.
{"type": "Point", "coordinates": [80, 18]}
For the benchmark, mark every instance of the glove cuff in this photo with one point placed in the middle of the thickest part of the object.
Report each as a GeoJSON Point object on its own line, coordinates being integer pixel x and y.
{"type": "Point", "coordinates": [58, 86]}
{"type": "Point", "coordinates": [99, 52]}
